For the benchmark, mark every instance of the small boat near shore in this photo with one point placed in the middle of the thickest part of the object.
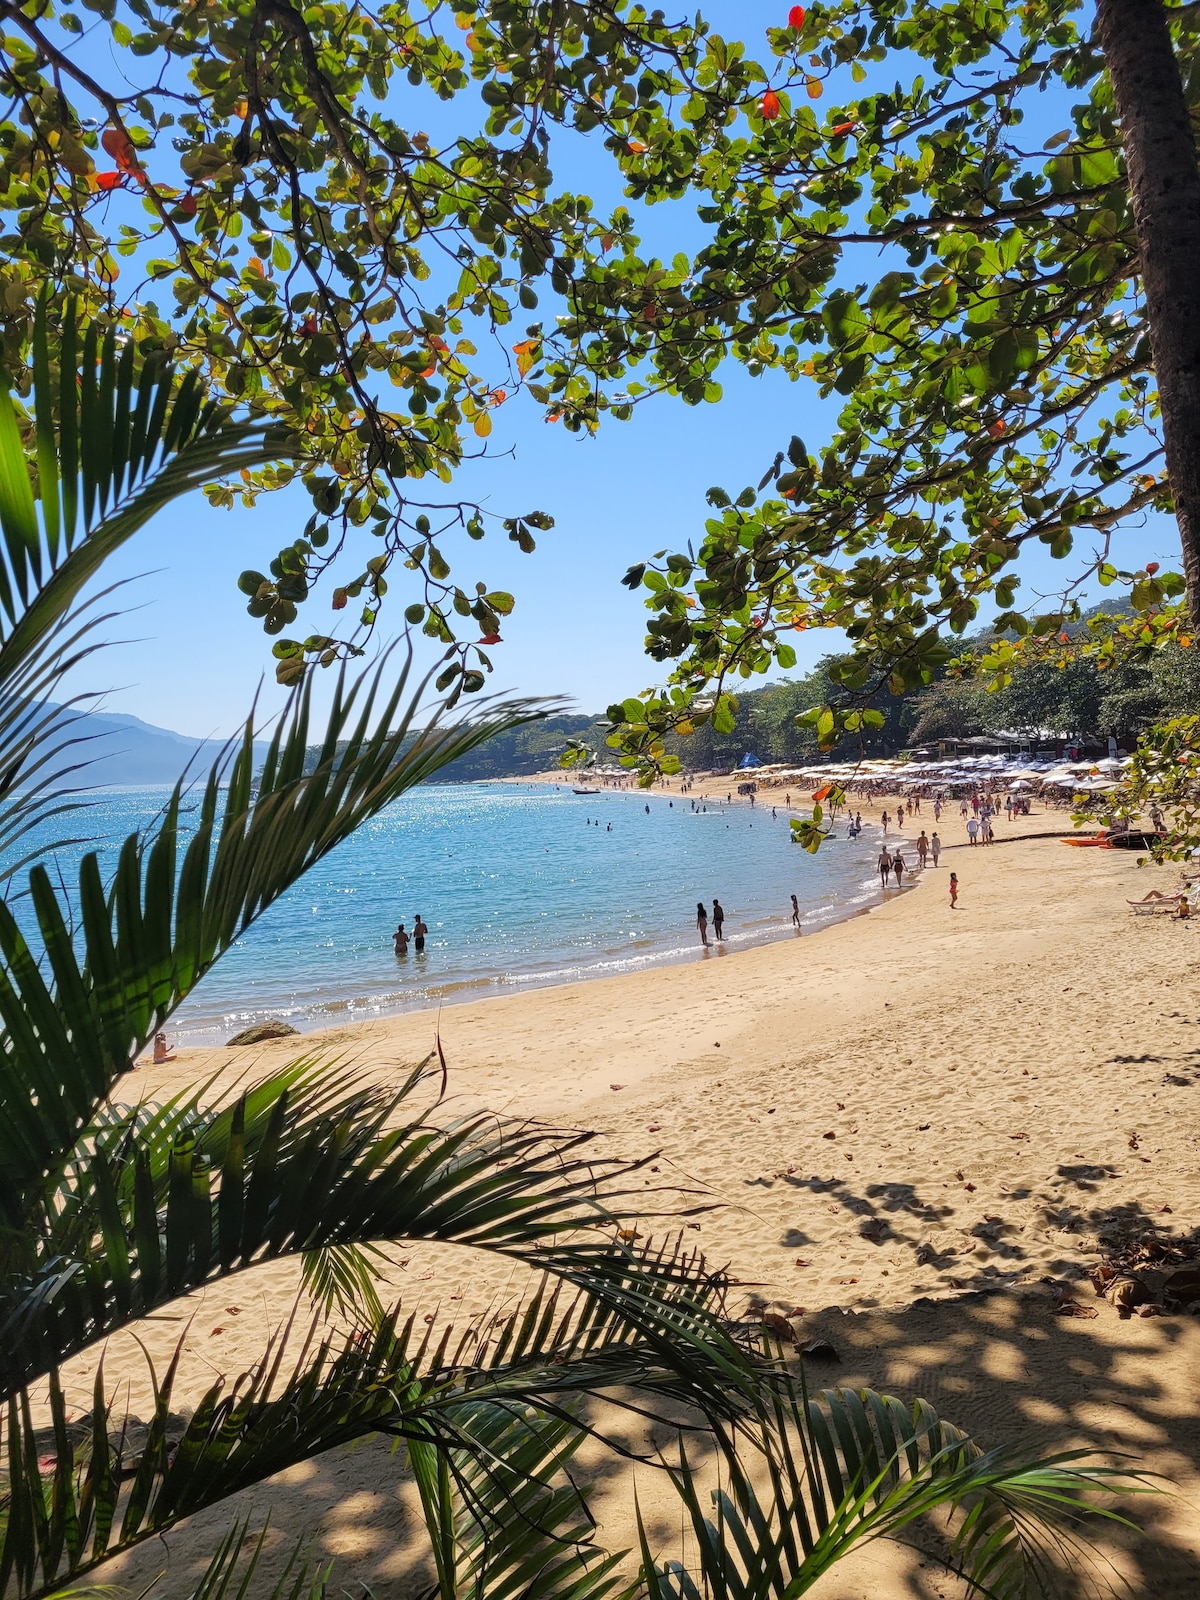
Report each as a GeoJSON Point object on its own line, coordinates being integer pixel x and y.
{"type": "Point", "coordinates": [585, 791]}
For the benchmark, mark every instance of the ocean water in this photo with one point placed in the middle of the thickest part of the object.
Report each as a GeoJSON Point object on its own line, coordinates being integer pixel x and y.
{"type": "Point", "coordinates": [521, 885]}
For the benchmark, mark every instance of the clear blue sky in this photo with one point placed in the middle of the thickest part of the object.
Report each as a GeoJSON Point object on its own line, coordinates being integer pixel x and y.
{"type": "Point", "coordinates": [194, 658]}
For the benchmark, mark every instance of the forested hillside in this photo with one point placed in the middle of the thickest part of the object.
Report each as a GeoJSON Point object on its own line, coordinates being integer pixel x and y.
{"type": "Point", "coordinates": [1076, 699]}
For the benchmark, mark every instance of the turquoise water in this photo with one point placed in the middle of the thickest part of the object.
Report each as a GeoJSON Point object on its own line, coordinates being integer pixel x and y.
{"type": "Point", "coordinates": [519, 887]}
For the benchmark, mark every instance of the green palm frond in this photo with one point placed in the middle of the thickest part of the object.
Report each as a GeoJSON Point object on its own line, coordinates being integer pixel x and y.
{"type": "Point", "coordinates": [844, 1467]}
{"type": "Point", "coordinates": [155, 1203]}
{"type": "Point", "coordinates": [232, 1573]}
{"type": "Point", "coordinates": [115, 439]}
{"type": "Point", "coordinates": [505, 1518]}
{"type": "Point", "coordinates": [178, 900]}
{"type": "Point", "coordinates": [112, 440]}
{"type": "Point", "coordinates": [445, 1395]}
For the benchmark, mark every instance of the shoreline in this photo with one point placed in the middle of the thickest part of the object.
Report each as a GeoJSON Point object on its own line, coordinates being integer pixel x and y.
{"type": "Point", "coordinates": [915, 1127]}
{"type": "Point", "coordinates": [857, 1023]}
{"type": "Point", "coordinates": [666, 947]}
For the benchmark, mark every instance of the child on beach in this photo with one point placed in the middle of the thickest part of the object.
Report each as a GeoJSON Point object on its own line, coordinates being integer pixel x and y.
{"type": "Point", "coordinates": [953, 891]}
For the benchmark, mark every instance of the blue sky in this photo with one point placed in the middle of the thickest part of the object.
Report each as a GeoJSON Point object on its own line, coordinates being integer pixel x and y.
{"type": "Point", "coordinates": [193, 658]}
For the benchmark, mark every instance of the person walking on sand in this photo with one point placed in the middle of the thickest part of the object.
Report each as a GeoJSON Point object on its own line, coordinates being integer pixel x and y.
{"type": "Point", "coordinates": [935, 847]}
{"type": "Point", "coordinates": [702, 922]}
{"type": "Point", "coordinates": [898, 868]}
{"type": "Point", "coordinates": [400, 941]}
{"type": "Point", "coordinates": [718, 920]}
{"type": "Point", "coordinates": [795, 912]}
{"type": "Point", "coordinates": [972, 828]}
{"type": "Point", "coordinates": [937, 812]}
{"type": "Point", "coordinates": [922, 848]}
{"type": "Point", "coordinates": [954, 891]}
{"type": "Point", "coordinates": [885, 866]}
{"type": "Point", "coordinates": [419, 932]}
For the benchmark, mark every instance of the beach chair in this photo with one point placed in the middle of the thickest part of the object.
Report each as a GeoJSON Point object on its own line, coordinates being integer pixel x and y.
{"type": "Point", "coordinates": [1155, 902]}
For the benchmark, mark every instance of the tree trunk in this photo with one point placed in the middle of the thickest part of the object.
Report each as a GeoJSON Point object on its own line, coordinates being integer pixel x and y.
{"type": "Point", "coordinates": [1164, 184]}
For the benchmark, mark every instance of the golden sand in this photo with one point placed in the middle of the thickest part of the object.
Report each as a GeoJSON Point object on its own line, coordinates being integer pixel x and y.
{"type": "Point", "coordinates": [894, 1115]}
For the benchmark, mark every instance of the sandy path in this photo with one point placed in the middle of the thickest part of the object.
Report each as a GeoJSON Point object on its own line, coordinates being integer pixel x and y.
{"type": "Point", "coordinates": [915, 1103]}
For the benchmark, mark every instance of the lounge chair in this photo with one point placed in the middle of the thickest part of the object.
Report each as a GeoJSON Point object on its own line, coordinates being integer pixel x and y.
{"type": "Point", "coordinates": [1156, 901]}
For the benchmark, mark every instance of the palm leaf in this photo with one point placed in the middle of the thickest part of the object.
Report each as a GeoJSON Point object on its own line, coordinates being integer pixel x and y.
{"type": "Point", "coordinates": [847, 1466]}
{"type": "Point", "coordinates": [504, 1516]}
{"type": "Point", "coordinates": [177, 902]}
{"type": "Point", "coordinates": [157, 1202]}
{"type": "Point", "coordinates": [114, 440]}
{"type": "Point", "coordinates": [448, 1398]}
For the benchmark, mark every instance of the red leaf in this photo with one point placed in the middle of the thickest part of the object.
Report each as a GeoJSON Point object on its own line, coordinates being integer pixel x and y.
{"type": "Point", "coordinates": [109, 180]}
{"type": "Point", "coordinates": [339, 599]}
{"type": "Point", "coordinates": [309, 327]}
{"type": "Point", "coordinates": [769, 106]}
{"type": "Point", "coordinates": [1151, 567]}
{"type": "Point", "coordinates": [796, 17]}
{"type": "Point", "coordinates": [844, 127]}
{"type": "Point", "coordinates": [490, 638]}
{"type": "Point", "coordinates": [187, 205]}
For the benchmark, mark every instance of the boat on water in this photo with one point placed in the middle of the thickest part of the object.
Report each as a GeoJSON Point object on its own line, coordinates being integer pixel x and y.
{"type": "Point", "coordinates": [585, 791]}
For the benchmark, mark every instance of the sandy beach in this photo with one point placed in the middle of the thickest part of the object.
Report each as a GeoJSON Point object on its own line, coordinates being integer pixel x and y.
{"type": "Point", "coordinates": [916, 1125]}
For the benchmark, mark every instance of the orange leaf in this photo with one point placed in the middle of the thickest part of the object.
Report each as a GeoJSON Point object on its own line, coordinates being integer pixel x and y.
{"type": "Point", "coordinates": [107, 180]}
{"type": "Point", "coordinates": [844, 127]}
{"type": "Point", "coordinates": [769, 106]}
{"type": "Point", "coordinates": [116, 142]}
{"type": "Point", "coordinates": [815, 88]}
{"type": "Point", "coordinates": [637, 148]}
{"type": "Point", "coordinates": [255, 265]}
{"type": "Point", "coordinates": [997, 428]}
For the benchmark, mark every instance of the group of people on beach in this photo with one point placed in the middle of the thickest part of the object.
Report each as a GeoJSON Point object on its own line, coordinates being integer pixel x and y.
{"type": "Point", "coordinates": [401, 939]}
{"type": "Point", "coordinates": [928, 848]}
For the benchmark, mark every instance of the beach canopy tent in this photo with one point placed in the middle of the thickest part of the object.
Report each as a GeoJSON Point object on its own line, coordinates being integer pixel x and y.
{"type": "Point", "coordinates": [747, 762]}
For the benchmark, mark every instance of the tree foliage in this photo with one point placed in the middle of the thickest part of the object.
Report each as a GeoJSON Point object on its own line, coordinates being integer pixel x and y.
{"type": "Point", "coordinates": [245, 186]}
{"type": "Point", "coordinates": [113, 1207]}
{"type": "Point", "coordinates": [946, 245]}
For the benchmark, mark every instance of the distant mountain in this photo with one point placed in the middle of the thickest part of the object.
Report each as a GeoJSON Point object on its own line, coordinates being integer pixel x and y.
{"type": "Point", "coordinates": [125, 750]}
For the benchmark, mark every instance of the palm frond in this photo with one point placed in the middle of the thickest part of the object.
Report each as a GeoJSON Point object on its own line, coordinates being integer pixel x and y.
{"type": "Point", "coordinates": [112, 1484]}
{"type": "Point", "coordinates": [505, 1518]}
{"type": "Point", "coordinates": [313, 1161]}
{"type": "Point", "coordinates": [115, 440]}
{"type": "Point", "coordinates": [232, 1572]}
{"type": "Point", "coordinates": [178, 901]}
{"type": "Point", "coordinates": [112, 440]}
{"type": "Point", "coordinates": [845, 1466]}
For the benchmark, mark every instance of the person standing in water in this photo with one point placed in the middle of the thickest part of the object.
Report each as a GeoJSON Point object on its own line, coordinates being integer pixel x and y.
{"type": "Point", "coordinates": [718, 920]}
{"type": "Point", "coordinates": [419, 932]}
{"type": "Point", "coordinates": [795, 912]}
{"type": "Point", "coordinates": [702, 922]}
{"type": "Point", "coordinates": [885, 866]}
{"type": "Point", "coordinates": [898, 868]}
{"type": "Point", "coordinates": [400, 941]}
